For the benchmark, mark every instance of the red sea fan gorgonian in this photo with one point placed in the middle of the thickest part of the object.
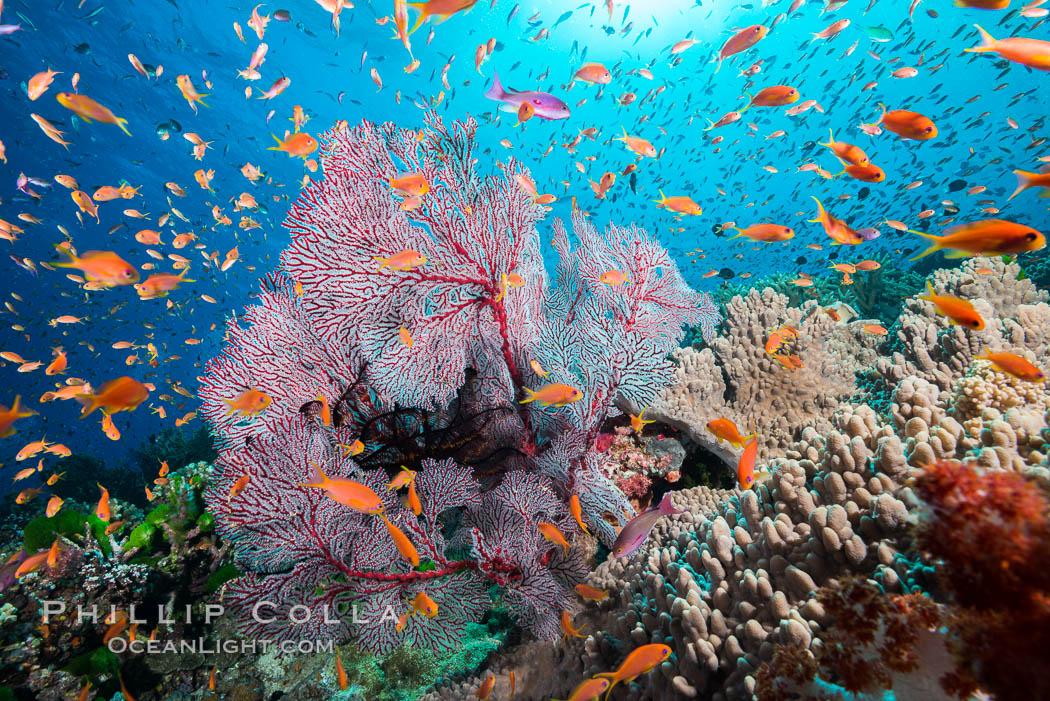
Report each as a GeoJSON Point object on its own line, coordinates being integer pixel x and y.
{"type": "Point", "coordinates": [327, 343]}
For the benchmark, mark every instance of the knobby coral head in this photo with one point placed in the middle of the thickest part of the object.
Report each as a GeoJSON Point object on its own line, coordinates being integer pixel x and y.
{"type": "Point", "coordinates": [411, 313]}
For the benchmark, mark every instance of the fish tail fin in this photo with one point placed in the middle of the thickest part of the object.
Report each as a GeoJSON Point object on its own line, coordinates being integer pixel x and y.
{"type": "Point", "coordinates": [70, 262]}
{"type": "Point", "coordinates": [738, 235]}
{"type": "Point", "coordinates": [202, 101]}
{"type": "Point", "coordinates": [120, 123]}
{"type": "Point", "coordinates": [747, 439]}
{"type": "Point", "coordinates": [421, 6]}
{"type": "Point", "coordinates": [385, 261]}
{"type": "Point", "coordinates": [279, 146]}
{"type": "Point", "coordinates": [820, 216]}
{"type": "Point", "coordinates": [1024, 181]}
{"type": "Point", "coordinates": [666, 507]}
{"type": "Point", "coordinates": [495, 91]}
{"type": "Point", "coordinates": [988, 41]}
{"type": "Point", "coordinates": [663, 198]}
{"type": "Point", "coordinates": [531, 397]}
{"type": "Point", "coordinates": [831, 139]}
{"type": "Point", "coordinates": [929, 237]}
{"type": "Point", "coordinates": [90, 402]}
{"type": "Point", "coordinates": [323, 481]}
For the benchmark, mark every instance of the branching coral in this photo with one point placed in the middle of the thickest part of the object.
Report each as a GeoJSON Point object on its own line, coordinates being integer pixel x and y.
{"type": "Point", "coordinates": [426, 364]}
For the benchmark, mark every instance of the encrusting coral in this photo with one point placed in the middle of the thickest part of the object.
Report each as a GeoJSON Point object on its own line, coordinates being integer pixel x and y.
{"type": "Point", "coordinates": [744, 581]}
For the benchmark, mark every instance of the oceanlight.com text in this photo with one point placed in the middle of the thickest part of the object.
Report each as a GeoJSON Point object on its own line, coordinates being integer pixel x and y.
{"type": "Point", "coordinates": [211, 647]}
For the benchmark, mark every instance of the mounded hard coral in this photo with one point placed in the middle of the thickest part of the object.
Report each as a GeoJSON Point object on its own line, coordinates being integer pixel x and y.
{"type": "Point", "coordinates": [1017, 318]}
{"type": "Point", "coordinates": [736, 378]}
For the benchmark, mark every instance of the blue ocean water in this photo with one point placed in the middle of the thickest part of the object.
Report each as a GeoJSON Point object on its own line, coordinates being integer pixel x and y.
{"type": "Point", "coordinates": [747, 178]}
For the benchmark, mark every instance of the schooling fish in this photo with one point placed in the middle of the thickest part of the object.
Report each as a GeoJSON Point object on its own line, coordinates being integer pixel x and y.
{"type": "Point", "coordinates": [638, 528]}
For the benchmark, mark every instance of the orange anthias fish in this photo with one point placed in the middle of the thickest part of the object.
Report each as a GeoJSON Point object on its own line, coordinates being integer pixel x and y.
{"type": "Point", "coordinates": [1013, 364]}
{"type": "Point", "coordinates": [989, 237]}
{"type": "Point", "coordinates": [39, 83]}
{"type": "Point", "coordinates": [766, 233]}
{"type": "Point", "coordinates": [102, 509]}
{"type": "Point", "coordinates": [637, 145]}
{"type": "Point", "coordinates": [613, 278]}
{"type": "Point", "coordinates": [357, 496]}
{"type": "Point", "coordinates": [402, 543]}
{"type": "Point", "coordinates": [550, 532]}
{"type": "Point", "coordinates": [104, 267]}
{"type": "Point", "coordinates": [31, 564]}
{"type": "Point", "coordinates": [409, 184]}
{"type": "Point", "coordinates": [121, 394]}
{"type": "Point", "coordinates": [741, 41]}
{"type": "Point", "coordinates": [679, 204]}
{"type": "Point", "coordinates": [556, 394]}
{"type": "Point", "coordinates": [89, 110]}
{"type": "Point", "coordinates": [638, 423]}
{"type": "Point", "coordinates": [53, 505]}
{"type": "Point", "coordinates": [960, 311]}
{"type": "Point", "coordinates": [485, 690]}
{"type": "Point", "coordinates": [745, 468]}
{"type": "Point", "coordinates": [835, 228]}
{"type": "Point", "coordinates": [298, 145]}
{"type": "Point", "coordinates": [906, 124]}
{"type": "Point", "coordinates": [725, 429]}
{"type": "Point", "coordinates": [58, 365]}
{"type": "Point", "coordinates": [439, 8]}
{"type": "Point", "coordinates": [577, 512]}
{"type": "Point", "coordinates": [402, 260]}
{"type": "Point", "coordinates": [568, 630]}
{"type": "Point", "coordinates": [238, 486]}
{"type": "Point", "coordinates": [8, 416]}
{"type": "Point", "coordinates": [84, 202]}
{"type": "Point", "coordinates": [1034, 53]}
{"type": "Point", "coordinates": [588, 690]}
{"type": "Point", "coordinates": [412, 499]}
{"type": "Point", "coordinates": [775, 96]}
{"type": "Point", "coordinates": [591, 593]}
{"type": "Point", "coordinates": [160, 284]}
{"type": "Point", "coordinates": [340, 673]}
{"type": "Point", "coordinates": [845, 152]}
{"type": "Point", "coordinates": [189, 92]}
{"type": "Point", "coordinates": [594, 73]}
{"type": "Point", "coordinates": [250, 402]}
{"type": "Point", "coordinates": [640, 661]}
{"type": "Point", "coordinates": [401, 479]}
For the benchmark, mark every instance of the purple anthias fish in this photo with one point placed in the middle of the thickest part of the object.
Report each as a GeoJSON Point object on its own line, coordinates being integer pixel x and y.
{"type": "Point", "coordinates": [869, 233]}
{"type": "Point", "coordinates": [546, 106]}
{"type": "Point", "coordinates": [638, 528]}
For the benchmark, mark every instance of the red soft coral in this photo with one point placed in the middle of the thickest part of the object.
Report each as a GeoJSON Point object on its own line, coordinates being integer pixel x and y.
{"type": "Point", "coordinates": [990, 534]}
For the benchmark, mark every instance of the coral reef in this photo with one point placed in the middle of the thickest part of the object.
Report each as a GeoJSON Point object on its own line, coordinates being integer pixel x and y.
{"type": "Point", "coordinates": [737, 379]}
{"type": "Point", "coordinates": [168, 558]}
{"type": "Point", "coordinates": [420, 335]}
{"type": "Point", "coordinates": [631, 464]}
{"type": "Point", "coordinates": [760, 591]}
